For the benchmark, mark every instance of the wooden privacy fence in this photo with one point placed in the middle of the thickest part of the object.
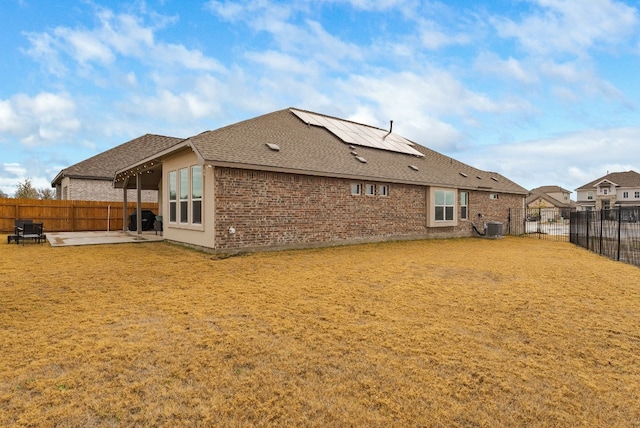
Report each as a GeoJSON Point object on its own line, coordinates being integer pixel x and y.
{"type": "Point", "coordinates": [67, 216]}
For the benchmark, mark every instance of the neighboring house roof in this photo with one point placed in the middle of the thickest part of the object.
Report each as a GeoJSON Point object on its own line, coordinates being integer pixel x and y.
{"type": "Point", "coordinates": [104, 165]}
{"type": "Point", "coordinates": [550, 189]}
{"type": "Point", "coordinates": [618, 179]}
{"type": "Point", "coordinates": [543, 193]}
{"type": "Point", "coordinates": [306, 148]}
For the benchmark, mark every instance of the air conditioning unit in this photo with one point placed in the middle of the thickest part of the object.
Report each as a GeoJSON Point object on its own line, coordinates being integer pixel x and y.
{"type": "Point", "coordinates": [494, 229]}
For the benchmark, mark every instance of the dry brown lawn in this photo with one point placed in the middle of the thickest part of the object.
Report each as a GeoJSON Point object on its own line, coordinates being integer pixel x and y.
{"type": "Point", "coordinates": [468, 332]}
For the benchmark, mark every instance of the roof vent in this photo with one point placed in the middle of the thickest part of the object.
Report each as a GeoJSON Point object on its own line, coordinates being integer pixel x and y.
{"type": "Point", "coordinates": [273, 147]}
{"type": "Point", "coordinates": [494, 179]}
{"type": "Point", "coordinates": [463, 174]}
{"type": "Point", "coordinates": [478, 177]}
{"type": "Point", "coordinates": [361, 159]}
{"type": "Point", "coordinates": [413, 167]}
{"type": "Point", "coordinates": [354, 153]}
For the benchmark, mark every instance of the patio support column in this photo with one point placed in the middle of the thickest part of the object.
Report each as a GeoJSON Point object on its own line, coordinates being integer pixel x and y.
{"type": "Point", "coordinates": [124, 204]}
{"type": "Point", "coordinates": [139, 203]}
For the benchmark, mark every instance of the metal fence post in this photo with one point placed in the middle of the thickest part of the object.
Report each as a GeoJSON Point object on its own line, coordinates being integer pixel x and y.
{"type": "Point", "coordinates": [588, 222]}
{"type": "Point", "coordinates": [601, 229]}
{"type": "Point", "coordinates": [619, 230]}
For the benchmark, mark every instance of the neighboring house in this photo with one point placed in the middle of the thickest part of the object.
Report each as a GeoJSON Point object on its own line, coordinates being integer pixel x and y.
{"type": "Point", "coordinates": [550, 199]}
{"type": "Point", "coordinates": [616, 189]}
{"type": "Point", "coordinates": [92, 179]}
{"type": "Point", "coordinates": [294, 178]}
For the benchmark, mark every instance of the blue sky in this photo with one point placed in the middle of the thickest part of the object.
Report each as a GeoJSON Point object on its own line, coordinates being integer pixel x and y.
{"type": "Point", "coordinates": [545, 92]}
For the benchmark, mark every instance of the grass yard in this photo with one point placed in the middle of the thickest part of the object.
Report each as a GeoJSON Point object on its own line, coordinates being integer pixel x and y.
{"type": "Point", "coordinates": [466, 332]}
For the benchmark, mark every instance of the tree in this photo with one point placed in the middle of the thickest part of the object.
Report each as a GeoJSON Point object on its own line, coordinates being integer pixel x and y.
{"type": "Point", "coordinates": [26, 190]}
{"type": "Point", "coordinates": [46, 193]}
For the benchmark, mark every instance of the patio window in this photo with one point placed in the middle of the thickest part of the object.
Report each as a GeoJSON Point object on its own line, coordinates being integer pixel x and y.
{"type": "Point", "coordinates": [172, 197]}
{"type": "Point", "coordinates": [184, 195]}
{"type": "Point", "coordinates": [196, 194]}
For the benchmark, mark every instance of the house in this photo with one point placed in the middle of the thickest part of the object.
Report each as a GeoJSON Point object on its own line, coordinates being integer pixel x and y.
{"type": "Point", "coordinates": [92, 179]}
{"type": "Point", "coordinates": [616, 189]}
{"type": "Point", "coordinates": [294, 178]}
{"type": "Point", "coordinates": [550, 199]}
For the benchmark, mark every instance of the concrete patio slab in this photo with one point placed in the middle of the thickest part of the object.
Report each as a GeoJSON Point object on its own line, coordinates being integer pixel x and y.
{"type": "Point", "coordinates": [61, 239]}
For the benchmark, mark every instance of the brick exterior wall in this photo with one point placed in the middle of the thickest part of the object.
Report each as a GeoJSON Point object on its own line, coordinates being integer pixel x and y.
{"type": "Point", "coordinates": [99, 190]}
{"type": "Point", "coordinates": [269, 209]}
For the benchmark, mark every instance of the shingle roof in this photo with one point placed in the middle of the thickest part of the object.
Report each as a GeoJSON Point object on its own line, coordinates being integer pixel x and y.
{"type": "Point", "coordinates": [550, 189]}
{"type": "Point", "coordinates": [555, 202]}
{"type": "Point", "coordinates": [104, 165]}
{"type": "Point", "coordinates": [310, 149]}
{"type": "Point", "coordinates": [542, 192]}
{"type": "Point", "coordinates": [621, 179]}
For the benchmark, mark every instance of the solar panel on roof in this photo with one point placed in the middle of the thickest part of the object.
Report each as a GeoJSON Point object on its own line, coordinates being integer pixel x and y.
{"type": "Point", "coordinates": [361, 135]}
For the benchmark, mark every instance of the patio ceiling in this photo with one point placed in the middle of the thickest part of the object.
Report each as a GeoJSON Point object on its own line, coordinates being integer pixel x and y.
{"type": "Point", "coordinates": [149, 173]}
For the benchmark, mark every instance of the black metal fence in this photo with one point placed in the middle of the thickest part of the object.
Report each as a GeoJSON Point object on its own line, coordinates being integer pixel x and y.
{"type": "Point", "coordinates": [540, 223]}
{"type": "Point", "coordinates": [613, 233]}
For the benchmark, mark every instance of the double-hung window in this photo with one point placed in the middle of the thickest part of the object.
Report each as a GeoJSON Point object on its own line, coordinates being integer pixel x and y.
{"type": "Point", "coordinates": [464, 205]}
{"type": "Point", "coordinates": [196, 194]}
{"type": "Point", "coordinates": [173, 209]}
{"type": "Point", "coordinates": [444, 205]}
{"type": "Point", "coordinates": [184, 194]}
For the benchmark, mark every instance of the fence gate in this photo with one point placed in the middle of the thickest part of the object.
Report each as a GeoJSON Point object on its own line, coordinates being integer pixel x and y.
{"type": "Point", "coordinates": [541, 223]}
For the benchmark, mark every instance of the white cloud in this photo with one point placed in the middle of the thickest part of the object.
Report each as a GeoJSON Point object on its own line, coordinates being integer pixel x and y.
{"type": "Point", "coordinates": [434, 37]}
{"type": "Point", "coordinates": [84, 46]}
{"type": "Point", "coordinates": [40, 120]}
{"type": "Point", "coordinates": [283, 62]}
{"type": "Point", "coordinates": [510, 68]}
{"type": "Point", "coordinates": [203, 99]}
{"type": "Point", "coordinates": [116, 36]}
{"type": "Point", "coordinates": [568, 160]}
{"type": "Point", "coordinates": [572, 27]}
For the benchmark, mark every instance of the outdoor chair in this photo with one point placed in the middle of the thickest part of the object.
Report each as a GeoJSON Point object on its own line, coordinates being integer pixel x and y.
{"type": "Point", "coordinates": [17, 225]}
{"type": "Point", "coordinates": [32, 231]}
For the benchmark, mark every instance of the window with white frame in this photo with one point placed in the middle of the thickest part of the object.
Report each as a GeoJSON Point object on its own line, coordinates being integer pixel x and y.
{"type": "Point", "coordinates": [185, 195]}
{"type": "Point", "coordinates": [384, 190]}
{"type": "Point", "coordinates": [370, 189]}
{"type": "Point", "coordinates": [625, 195]}
{"type": "Point", "coordinates": [196, 194]}
{"type": "Point", "coordinates": [590, 196]}
{"type": "Point", "coordinates": [183, 175]}
{"type": "Point", "coordinates": [173, 210]}
{"type": "Point", "coordinates": [636, 195]}
{"type": "Point", "coordinates": [444, 205]}
{"type": "Point", "coordinates": [356, 189]}
{"type": "Point", "coordinates": [464, 205]}
{"type": "Point", "coordinates": [493, 196]}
